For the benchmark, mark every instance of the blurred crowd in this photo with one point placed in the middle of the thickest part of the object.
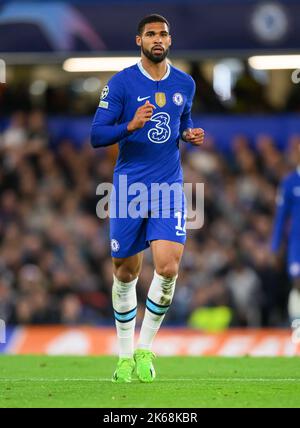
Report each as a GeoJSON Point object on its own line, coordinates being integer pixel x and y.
{"type": "Point", "coordinates": [55, 264]}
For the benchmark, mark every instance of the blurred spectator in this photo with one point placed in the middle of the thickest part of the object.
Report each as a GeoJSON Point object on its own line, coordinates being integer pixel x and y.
{"type": "Point", "coordinates": [71, 310]}
{"type": "Point", "coordinates": [245, 289]}
{"type": "Point", "coordinates": [14, 137]}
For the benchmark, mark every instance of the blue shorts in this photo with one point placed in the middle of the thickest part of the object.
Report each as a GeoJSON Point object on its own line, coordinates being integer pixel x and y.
{"type": "Point", "coordinates": [129, 236]}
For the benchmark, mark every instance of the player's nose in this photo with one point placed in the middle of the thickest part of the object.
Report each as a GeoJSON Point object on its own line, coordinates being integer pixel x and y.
{"type": "Point", "coordinates": [158, 38]}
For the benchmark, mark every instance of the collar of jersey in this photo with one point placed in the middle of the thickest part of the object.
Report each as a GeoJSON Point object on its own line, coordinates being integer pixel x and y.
{"type": "Point", "coordinates": [145, 73]}
{"type": "Point", "coordinates": [298, 169]}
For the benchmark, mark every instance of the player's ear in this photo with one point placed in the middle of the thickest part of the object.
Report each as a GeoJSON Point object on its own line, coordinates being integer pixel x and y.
{"type": "Point", "coordinates": [138, 40]}
{"type": "Point", "coordinates": [170, 40]}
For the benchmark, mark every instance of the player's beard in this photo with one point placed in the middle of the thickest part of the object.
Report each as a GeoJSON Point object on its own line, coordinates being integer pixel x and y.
{"type": "Point", "coordinates": [156, 58]}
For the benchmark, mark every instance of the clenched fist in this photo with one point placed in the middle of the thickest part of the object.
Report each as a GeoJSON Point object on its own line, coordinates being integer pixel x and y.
{"type": "Point", "coordinates": [142, 115]}
{"type": "Point", "coordinates": [194, 136]}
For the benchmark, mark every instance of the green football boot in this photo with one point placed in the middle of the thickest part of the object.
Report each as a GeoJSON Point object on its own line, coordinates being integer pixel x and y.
{"type": "Point", "coordinates": [144, 367]}
{"type": "Point", "coordinates": [124, 370]}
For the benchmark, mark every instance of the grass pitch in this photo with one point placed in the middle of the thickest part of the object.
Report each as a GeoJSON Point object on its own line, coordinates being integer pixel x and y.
{"type": "Point", "coordinates": [33, 381]}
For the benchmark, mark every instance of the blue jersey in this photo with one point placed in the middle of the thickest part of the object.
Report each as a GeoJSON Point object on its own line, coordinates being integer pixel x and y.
{"type": "Point", "coordinates": [288, 209]}
{"type": "Point", "coordinates": [150, 154]}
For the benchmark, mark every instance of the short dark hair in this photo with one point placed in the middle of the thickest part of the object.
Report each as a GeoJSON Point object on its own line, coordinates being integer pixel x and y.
{"type": "Point", "coordinates": [149, 19]}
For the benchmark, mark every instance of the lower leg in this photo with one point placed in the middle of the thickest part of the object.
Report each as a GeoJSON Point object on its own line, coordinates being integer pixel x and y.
{"type": "Point", "coordinates": [158, 302]}
{"type": "Point", "coordinates": [167, 256]}
{"type": "Point", "coordinates": [125, 307]}
{"type": "Point", "coordinates": [125, 302]}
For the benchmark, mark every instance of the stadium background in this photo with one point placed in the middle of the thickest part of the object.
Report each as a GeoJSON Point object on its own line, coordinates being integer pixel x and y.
{"type": "Point", "coordinates": [55, 283]}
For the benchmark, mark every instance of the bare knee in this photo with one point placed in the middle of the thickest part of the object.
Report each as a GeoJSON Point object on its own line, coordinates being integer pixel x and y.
{"type": "Point", "coordinates": [168, 269]}
{"type": "Point", "coordinates": [125, 275]}
{"type": "Point", "coordinates": [124, 272]}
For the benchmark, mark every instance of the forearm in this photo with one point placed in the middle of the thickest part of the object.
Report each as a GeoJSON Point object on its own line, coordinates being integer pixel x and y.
{"type": "Point", "coordinates": [106, 135]}
{"type": "Point", "coordinates": [186, 123]}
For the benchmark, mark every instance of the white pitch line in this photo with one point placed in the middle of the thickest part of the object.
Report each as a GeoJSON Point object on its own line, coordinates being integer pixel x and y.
{"type": "Point", "coordinates": [157, 380]}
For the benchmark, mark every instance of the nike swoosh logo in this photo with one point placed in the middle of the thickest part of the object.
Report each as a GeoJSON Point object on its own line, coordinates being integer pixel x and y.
{"type": "Point", "coordinates": [142, 99]}
{"type": "Point", "coordinates": [180, 234]}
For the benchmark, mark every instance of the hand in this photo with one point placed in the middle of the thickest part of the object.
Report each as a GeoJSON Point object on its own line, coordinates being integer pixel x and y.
{"type": "Point", "coordinates": [194, 136]}
{"type": "Point", "coordinates": [142, 115]}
